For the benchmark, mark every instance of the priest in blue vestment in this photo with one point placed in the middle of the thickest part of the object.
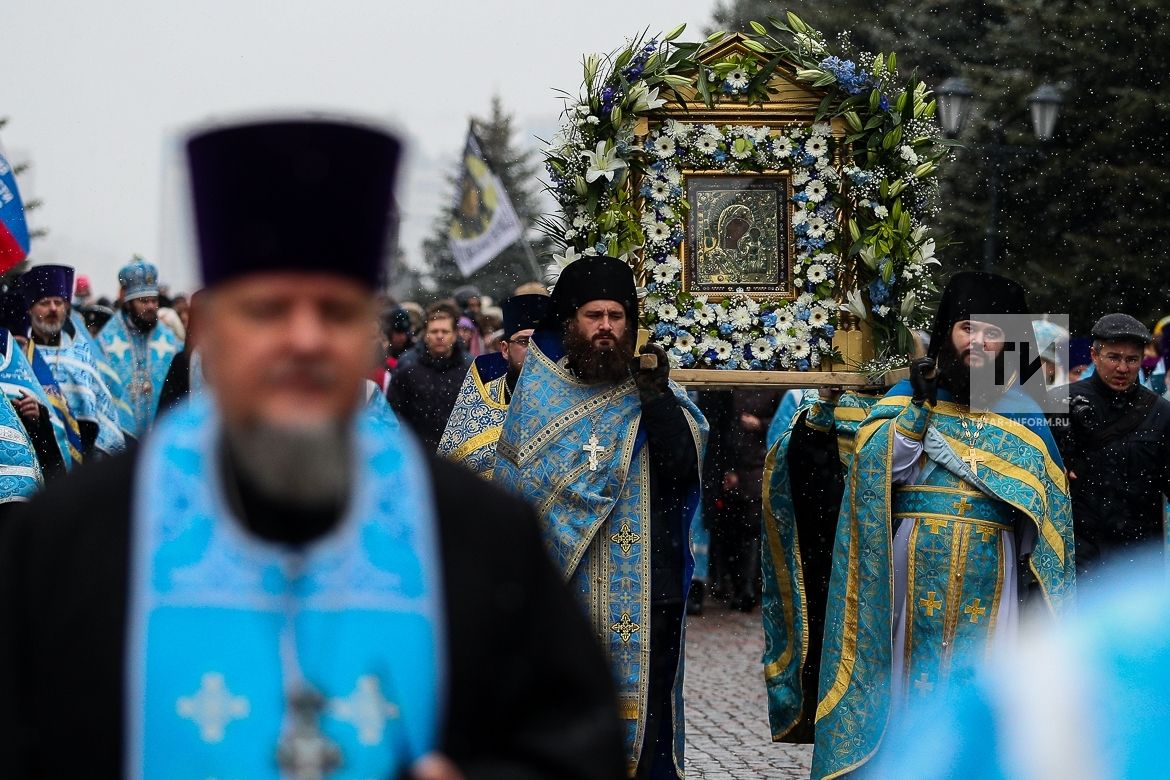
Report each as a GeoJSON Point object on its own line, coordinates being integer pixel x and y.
{"type": "Point", "coordinates": [482, 404]}
{"type": "Point", "coordinates": [46, 290]}
{"type": "Point", "coordinates": [956, 509]}
{"type": "Point", "coordinates": [138, 346]}
{"type": "Point", "coordinates": [279, 583]}
{"type": "Point", "coordinates": [608, 449]}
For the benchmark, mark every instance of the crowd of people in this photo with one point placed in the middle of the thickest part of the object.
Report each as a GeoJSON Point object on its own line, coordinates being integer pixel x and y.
{"type": "Point", "coordinates": [324, 530]}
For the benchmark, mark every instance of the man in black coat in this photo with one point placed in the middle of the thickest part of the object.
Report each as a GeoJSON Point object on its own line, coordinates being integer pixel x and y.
{"type": "Point", "coordinates": [103, 577]}
{"type": "Point", "coordinates": [1117, 451]}
{"type": "Point", "coordinates": [423, 389]}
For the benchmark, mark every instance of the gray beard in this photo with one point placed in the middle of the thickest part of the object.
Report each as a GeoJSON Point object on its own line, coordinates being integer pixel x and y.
{"type": "Point", "coordinates": [307, 467]}
{"type": "Point", "coordinates": [45, 331]}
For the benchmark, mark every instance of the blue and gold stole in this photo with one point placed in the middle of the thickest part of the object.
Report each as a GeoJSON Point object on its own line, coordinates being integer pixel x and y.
{"type": "Point", "coordinates": [141, 363]}
{"type": "Point", "coordinates": [596, 524]}
{"type": "Point", "coordinates": [1017, 464]}
{"type": "Point", "coordinates": [75, 368]}
{"type": "Point", "coordinates": [783, 603]}
{"type": "Point", "coordinates": [18, 375]}
{"type": "Point", "coordinates": [223, 624]}
{"type": "Point", "coordinates": [478, 416]}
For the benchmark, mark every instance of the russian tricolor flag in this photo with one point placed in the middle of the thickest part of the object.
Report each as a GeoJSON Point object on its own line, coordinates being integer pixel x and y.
{"type": "Point", "coordinates": [13, 229]}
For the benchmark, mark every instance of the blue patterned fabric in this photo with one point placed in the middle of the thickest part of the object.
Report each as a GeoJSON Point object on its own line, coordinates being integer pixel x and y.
{"type": "Point", "coordinates": [141, 361]}
{"type": "Point", "coordinates": [76, 370]}
{"type": "Point", "coordinates": [108, 375]}
{"type": "Point", "coordinates": [20, 474]}
{"type": "Point", "coordinates": [783, 604]}
{"type": "Point", "coordinates": [596, 524]}
{"type": "Point", "coordinates": [478, 416]}
{"type": "Point", "coordinates": [1018, 466]}
{"type": "Point", "coordinates": [18, 377]}
{"type": "Point", "coordinates": [223, 624]}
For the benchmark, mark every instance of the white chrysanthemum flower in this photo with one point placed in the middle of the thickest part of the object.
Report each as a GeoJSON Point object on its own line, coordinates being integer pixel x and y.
{"type": "Point", "coordinates": [782, 146]}
{"type": "Point", "coordinates": [817, 146]}
{"type": "Point", "coordinates": [737, 79]}
{"type": "Point", "coordinates": [761, 349]}
{"type": "Point", "coordinates": [816, 191]}
{"type": "Point", "coordinates": [667, 212]}
{"type": "Point", "coordinates": [722, 349]}
{"type": "Point", "coordinates": [816, 273]}
{"type": "Point", "coordinates": [580, 221]}
{"type": "Point", "coordinates": [908, 154]}
{"type": "Point", "coordinates": [593, 119]}
{"type": "Point", "coordinates": [711, 130]}
{"type": "Point", "coordinates": [827, 259]}
{"type": "Point", "coordinates": [583, 109]}
{"type": "Point", "coordinates": [672, 261]}
{"type": "Point", "coordinates": [800, 350]}
{"type": "Point", "coordinates": [805, 300]}
{"type": "Point", "coordinates": [818, 317]}
{"type": "Point", "coordinates": [817, 227]}
{"type": "Point", "coordinates": [664, 273]}
{"type": "Point", "coordinates": [799, 217]}
{"type": "Point", "coordinates": [667, 312]}
{"type": "Point", "coordinates": [784, 320]}
{"type": "Point", "coordinates": [800, 179]}
{"type": "Point", "coordinates": [821, 128]}
{"type": "Point", "coordinates": [658, 233]}
{"type": "Point", "coordinates": [707, 144]}
{"type": "Point", "coordinates": [675, 129]}
{"type": "Point", "coordinates": [704, 315]}
{"type": "Point", "coordinates": [570, 234]}
{"type": "Point", "coordinates": [664, 146]}
{"type": "Point", "coordinates": [881, 212]}
{"type": "Point", "coordinates": [674, 176]}
{"type": "Point", "coordinates": [660, 190]}
{"type": "Point", "coordinates": [685, 341]}
{"type": "Point", "coordinates": [760, 134]}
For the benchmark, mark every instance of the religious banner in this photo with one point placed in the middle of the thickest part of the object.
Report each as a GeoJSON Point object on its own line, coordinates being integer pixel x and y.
{"type": "Point", "coordinates": [483, 222]}
{"type": "Point", "coordinates": [14, 238]}
{"type": "Point", "coordinates": [772, 195]}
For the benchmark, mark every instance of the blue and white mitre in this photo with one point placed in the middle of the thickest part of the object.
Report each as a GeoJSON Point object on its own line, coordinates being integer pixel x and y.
{"type": "Point", "coordinates": [138, 280]}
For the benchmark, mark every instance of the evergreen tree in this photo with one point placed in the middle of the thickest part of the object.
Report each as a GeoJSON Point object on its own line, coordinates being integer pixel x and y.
{"type": "Point", "coordinates": [518, 170]}
{"type": "Point", "coordinates": [1080, 221]}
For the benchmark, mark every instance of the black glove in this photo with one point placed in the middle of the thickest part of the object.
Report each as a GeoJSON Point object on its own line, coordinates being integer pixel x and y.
{"type": "Point", "coordinates": [651, 382]}
{"type": "Point", "coordinates": [924, 380]}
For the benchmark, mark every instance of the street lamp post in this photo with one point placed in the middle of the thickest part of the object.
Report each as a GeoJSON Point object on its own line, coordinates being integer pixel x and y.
{"type": "Point", "coordinates": [955, 100]}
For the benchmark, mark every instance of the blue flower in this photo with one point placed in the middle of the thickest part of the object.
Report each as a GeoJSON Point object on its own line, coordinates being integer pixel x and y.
{"type": "Point", "coordinates": [726, 328]}
{"type": "Point", "coordinates": [687, 360]}
{"type": "Point", "coordinates": [720, 155]}
{"type": "Point", "coordinates": [769, 319]}
{"type": "Point", "coordinates": [661, 330]}
{"type": "Point", "coordinates": [884, 103]}
{"type": "Point", "coordinates": [600, 247]}
{"type": "Point", "coordinates": [879, 292]}
{"type": "Point", "coordinates": [802, 364]}
{"type": "Point", "coordinates": [800, 197]}
{"type": "Point", "coordinates": [828, 330]}
{"type": "Point", "coordinates": [802, 315]}
{"type": "Point", "coordinates": [755, 364]}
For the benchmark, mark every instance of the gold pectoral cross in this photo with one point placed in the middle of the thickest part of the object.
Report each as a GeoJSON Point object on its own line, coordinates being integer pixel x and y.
{"type": "Point", "coordinates": [973, 459]}
{"type": "Point", "coordinates": [594, 448]}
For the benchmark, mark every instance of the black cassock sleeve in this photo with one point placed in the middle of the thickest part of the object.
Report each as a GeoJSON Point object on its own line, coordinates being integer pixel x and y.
{"type": "Point", "coordinates": [531, 692]}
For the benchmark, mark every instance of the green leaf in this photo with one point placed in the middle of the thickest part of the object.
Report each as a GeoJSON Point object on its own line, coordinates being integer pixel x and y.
{"type": "Point", "coordinates": [874, 122]}
{"type": "Point", "coordinates": [825, 80]}
{"type": "Point", "coordinates": [623, 59]}
{"type": "Point", "coordinates": [778, 24]}
{"type": "Point", "coordinates": [703, 86]}
{"type": "Point", "coordinates": [759, 28]}
{"type": "Point", "coordinates": [677, 31]}
{"type": "Point", "coordinates": [764, 74]}
{"type": "Point", "coordinates": [853, 120]}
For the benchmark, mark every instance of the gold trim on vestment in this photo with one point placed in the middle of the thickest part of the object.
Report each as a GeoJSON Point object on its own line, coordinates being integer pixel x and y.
{"type": "Point", "coordinates": [911, 608]}
{"type": "Point", "coordinates": [959, 537]}
{"type": "Point", "coordinates": [485, 393]}
{"type": "Point", "coordinates": [999, 540]}
{"type": "Point", "coordinates": [849, 635]}
{"type": "Point", "coordinates": [1045, 526]}
{"type": "Point", "coordinates": [1019, 430]}
{"type": "Point", "coordinates": [481, 439]}
{"type": "Point", "coordinates": [850, 413]}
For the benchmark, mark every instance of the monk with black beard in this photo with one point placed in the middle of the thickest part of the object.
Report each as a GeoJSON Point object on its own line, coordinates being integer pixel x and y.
{"type": "Point", "coordinates": [608, 448]}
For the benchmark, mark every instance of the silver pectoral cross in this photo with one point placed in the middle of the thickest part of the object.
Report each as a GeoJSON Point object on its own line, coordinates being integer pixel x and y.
{"type": "Point", "coordinates": [304, 753]}
{"type": "Point", "coordinates": [594, 449]}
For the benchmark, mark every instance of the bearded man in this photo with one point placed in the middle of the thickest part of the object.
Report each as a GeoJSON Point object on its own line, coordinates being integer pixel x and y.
{"type": "Point", "coordinates": [274, 585]}
{"type": "Point", "coordinates": [482, 404]}
{"type": "Point", "coordinates": [955, 490]}
{"type": "Point", "coordinates": [608, 449]}
{"type": "Point", "coordinates": [139, 347]}
{"type": "Point", "coordinates": [46, 290]}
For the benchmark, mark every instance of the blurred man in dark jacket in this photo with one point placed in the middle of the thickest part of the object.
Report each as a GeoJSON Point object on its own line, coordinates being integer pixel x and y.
{"type": "Point", "coordinates": [422, 390]}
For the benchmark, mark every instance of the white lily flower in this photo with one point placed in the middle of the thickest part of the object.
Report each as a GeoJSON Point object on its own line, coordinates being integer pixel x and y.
{"type": "Point", "coordinates": [855, 305]}
{"type": "Point", "coordinates": [602, 163]}
{"type": "Point", "coordinates": [909, 304]}
{"type": "Point", "coordinates": [560, 262]}
{"type": "Point", "coordinates": [645, 100]}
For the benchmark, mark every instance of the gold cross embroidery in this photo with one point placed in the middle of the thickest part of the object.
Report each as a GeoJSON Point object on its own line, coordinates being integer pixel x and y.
{"type": "Point", "coordinates": [626, 537]}
{"type": "Point", "coordinates": [988, 535]}
{"type": "Point", "coordinates": [975, 611]}
{"type": "Point", "coordinates": [923, 683]}
{"type": "Point", "coordinates": [930, 603]}
{"type": "Point", "coordinates": [962, 506]}
{"type": "Point", "coordinates": [625, 628]}
{"type": "Point", "coordinates": [935, 523]}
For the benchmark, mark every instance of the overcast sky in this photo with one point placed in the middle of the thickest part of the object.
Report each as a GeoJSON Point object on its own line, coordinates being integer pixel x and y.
{"type": "Point", "coordinates": [96, 94]}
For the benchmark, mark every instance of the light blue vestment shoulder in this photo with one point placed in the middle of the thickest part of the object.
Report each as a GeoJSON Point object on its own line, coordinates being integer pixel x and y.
{"type": "Point", "coordinates": [223, 624]}
{"type": "Point", "coordinates": [141, 361]}
{"type": "Point", "coordinates": [76, 370]}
